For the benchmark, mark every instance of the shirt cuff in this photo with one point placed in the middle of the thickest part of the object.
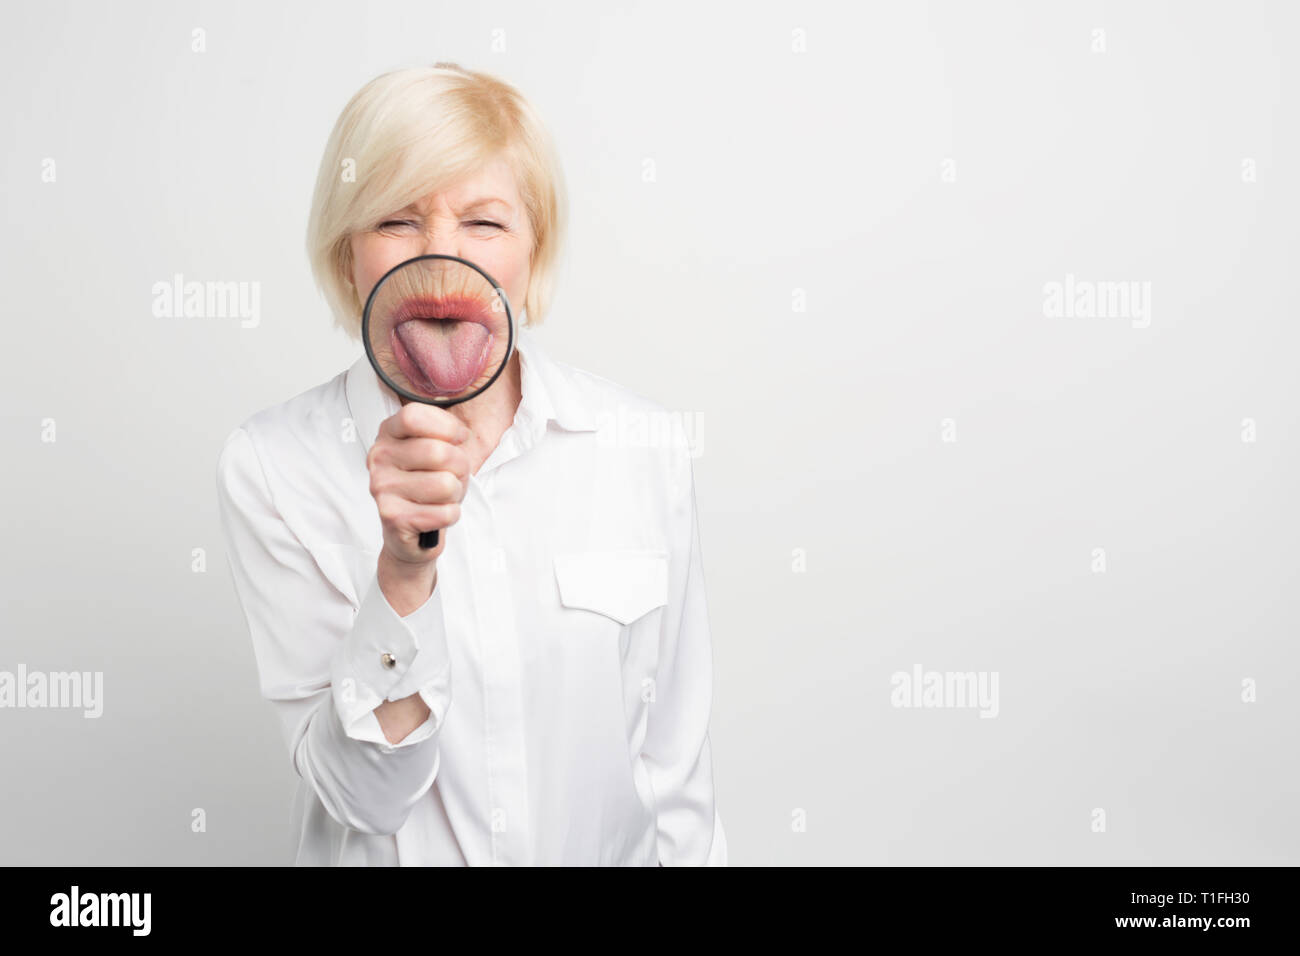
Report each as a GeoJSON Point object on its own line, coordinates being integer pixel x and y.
{"type": "Point", "coordinates": [416, 648]}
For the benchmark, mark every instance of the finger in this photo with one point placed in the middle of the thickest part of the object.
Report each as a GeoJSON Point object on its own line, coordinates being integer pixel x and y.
{"type": "Point", "coordinates": [421, 487]}
{"type": "Point", "coordinates": [425, 454]}
{"type": "Point", "coordinates": [417, 420]}
{"type": "Point", "coordinates": [415, 518]}
{"type": "Point", "coordinates": [434, 517]}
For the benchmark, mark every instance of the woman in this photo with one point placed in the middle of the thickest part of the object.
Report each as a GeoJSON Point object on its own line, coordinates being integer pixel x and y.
{"type": "Point", "coordinates": [535, 689]}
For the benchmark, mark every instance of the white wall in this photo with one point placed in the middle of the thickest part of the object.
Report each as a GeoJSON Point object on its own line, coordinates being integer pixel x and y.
{"type": "Point", "coordinates": [823, 430]}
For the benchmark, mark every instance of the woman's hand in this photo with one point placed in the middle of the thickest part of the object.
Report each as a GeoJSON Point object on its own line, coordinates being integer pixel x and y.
{"type": "Point", "coordinates": [419, 474]}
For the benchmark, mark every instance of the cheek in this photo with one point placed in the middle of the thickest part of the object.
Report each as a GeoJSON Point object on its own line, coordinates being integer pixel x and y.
{"type": "Point", "coordinates": [511, 270]}
{"type": "Point", "coordinates": [372, 256]}
{"type": "Point", "coordinates": [365, 269]}
{"type": "Point", "coordinates": [517, 285]}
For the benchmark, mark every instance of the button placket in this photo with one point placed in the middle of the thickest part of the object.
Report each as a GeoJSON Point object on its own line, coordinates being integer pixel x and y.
{"type": "Point", "coordinates": [507, 808]}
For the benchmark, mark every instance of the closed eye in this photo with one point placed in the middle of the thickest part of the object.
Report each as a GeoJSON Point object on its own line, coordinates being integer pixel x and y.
{"type": "Point", "coordinates": [392, 223]}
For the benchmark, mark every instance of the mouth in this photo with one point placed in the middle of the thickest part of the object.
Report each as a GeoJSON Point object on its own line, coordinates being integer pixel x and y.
{"type": "Point", "coordinates": [441, 345]}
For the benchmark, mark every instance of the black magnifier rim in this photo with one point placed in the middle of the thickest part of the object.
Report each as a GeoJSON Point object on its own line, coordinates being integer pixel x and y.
{"type": "Point", "coordinates": [424, 399]}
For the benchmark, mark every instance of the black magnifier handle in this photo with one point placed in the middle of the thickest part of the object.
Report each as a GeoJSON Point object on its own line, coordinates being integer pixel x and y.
{"type": "Point", "coordinates": [429, 539]}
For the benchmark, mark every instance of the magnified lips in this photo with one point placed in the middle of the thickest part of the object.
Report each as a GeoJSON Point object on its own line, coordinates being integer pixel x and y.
{"type": "Point", "coordinates": [442, 345]}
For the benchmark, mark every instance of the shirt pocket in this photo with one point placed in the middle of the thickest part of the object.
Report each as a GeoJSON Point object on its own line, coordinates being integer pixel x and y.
{"type": "Point", "coordinates": [623, 585]}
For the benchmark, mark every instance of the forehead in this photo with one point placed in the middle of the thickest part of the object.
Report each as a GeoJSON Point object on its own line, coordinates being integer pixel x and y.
{"type": "Point", "coordinates": [491, 185]}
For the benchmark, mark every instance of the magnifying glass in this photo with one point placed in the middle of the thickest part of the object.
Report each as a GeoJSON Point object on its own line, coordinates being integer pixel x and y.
{"type": "Point", "coordinates": [438, 330]}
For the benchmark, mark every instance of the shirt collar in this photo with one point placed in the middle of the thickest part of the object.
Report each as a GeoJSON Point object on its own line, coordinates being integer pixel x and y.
{"type": "Point", "coordinates": [550, 394]}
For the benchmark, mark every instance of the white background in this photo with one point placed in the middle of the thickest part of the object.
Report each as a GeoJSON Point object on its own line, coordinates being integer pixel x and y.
{"type": "Point", "coordinates": [775, 170]}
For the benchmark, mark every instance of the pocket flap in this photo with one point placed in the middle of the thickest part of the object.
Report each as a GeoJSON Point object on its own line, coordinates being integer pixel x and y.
{"type": "Point", "coordinates": [622, 585]}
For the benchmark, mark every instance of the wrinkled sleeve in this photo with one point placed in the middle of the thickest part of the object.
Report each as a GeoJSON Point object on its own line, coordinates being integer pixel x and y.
{"type": "Point", "coordinates": [321, 663]}
{"type": "Point", "coordinates": [676, 750]}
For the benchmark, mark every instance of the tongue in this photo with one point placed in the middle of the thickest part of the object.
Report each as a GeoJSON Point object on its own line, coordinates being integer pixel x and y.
{"type": "Point", "coordinates": [449, 352]}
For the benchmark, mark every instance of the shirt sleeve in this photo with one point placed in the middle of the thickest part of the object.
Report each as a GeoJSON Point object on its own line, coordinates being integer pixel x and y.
{"type": "Point", "coordinates": [676, 749]}
{"type": "Point", "coordinates": [322, 662]}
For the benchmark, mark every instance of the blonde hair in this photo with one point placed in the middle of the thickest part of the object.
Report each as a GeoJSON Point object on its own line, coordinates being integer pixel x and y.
{"type": "Point", "coordinates": [411, 132]}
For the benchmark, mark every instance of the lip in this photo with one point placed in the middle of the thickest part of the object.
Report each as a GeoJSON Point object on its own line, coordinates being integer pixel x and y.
{"type": "Point", "coordinates": [461, 307]}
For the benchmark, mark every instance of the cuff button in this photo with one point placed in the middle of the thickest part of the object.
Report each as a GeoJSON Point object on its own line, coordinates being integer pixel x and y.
{"type": "Point", "coordinates": [388, 660]}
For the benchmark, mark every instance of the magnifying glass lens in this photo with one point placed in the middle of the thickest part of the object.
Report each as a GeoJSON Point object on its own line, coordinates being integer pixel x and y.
{"type": "Point", "coordinates": [438, 329]}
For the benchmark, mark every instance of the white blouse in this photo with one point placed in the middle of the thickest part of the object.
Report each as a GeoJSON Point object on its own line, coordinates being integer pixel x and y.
{"type": "Point", "coordinates": [564, 653]}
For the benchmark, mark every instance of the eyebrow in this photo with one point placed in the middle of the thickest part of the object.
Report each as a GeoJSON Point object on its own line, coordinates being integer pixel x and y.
{"type": "Point", "coordinates": [468, 208]}
{"type": "Point", "coordinates": [486, 201]}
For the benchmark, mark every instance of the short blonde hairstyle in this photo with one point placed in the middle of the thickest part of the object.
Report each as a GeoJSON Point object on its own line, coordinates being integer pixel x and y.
{"type": "Point", "coordinates": [412, 132]}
